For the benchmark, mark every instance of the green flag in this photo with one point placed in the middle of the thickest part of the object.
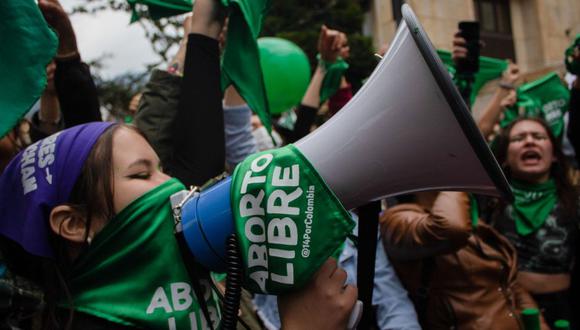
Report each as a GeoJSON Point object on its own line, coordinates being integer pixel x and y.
{"type": "Point", "coordinates": [489, 69]}
{"type": "Point", "coordinates": [546, 98]}
{"type": "Point", "coordinates": [28, 45]}
{"type": "Point", "coordinates": [241, 61]}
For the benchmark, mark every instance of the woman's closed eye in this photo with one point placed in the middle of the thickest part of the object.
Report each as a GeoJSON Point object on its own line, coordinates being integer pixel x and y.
{"type": "Point", "coordinates": [140, 176]}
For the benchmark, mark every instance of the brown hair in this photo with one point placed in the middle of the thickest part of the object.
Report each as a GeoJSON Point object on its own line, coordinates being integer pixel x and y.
{"type": "Point", "coordinates": [91, 196]}
{"type": "Point", "coordinates": [567, 194]}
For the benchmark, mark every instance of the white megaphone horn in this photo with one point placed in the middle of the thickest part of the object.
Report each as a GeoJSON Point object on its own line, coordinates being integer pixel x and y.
{"type": "Point", "coordinates": [406, 130]}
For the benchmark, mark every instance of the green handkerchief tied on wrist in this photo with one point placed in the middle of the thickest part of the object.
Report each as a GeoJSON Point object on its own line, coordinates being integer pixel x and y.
{"type": "Point", "coordinates": [132, 273]}
{"type": "Point", "coordinates": [533, 203]}
{"type": "Point", "coordinates": [332, 78]}
{"type": "Point", "coordinates": [287, 220]}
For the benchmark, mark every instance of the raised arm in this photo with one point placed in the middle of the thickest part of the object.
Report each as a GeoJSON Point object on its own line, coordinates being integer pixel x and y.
{"type": "Point", "coordinates": [198, 128]}
{"type": "Point", "coordinates": [75, 87]}
{"type": "Point", "coordinates": [410, 232]}
{"type": "Point", "coordinates": [505, 95]}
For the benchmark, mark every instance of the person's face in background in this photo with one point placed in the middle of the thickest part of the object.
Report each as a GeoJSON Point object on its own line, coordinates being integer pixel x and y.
{"type": "Point", "coordinates": [136, 168]}
{"type": "Point", "coordinates": [530, 152]}
{"type": "Point", "coordinates": [344, 48]}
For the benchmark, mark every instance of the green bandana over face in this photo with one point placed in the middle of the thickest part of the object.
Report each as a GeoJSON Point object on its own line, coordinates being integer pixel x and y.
{"type": "Point", "coordinates": [287, 220]}
{"type": "Point", "coordinates": [533, 203]}
{"type": "Point", "coordinates": [546, 98]}
{"type": "Point", "coordinates": [133, 274]}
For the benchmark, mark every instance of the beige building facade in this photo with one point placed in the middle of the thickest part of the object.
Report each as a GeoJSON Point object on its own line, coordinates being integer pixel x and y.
{"type": "Point", "coordinates": [533, 33]}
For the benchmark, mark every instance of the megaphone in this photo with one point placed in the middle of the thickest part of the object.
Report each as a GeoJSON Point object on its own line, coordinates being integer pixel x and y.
{"type": "Point", "coordinates": [407, 130]}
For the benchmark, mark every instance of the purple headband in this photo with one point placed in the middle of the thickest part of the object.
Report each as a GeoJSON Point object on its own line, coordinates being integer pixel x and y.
{"type": "Point", "coordinates": [39, 178]}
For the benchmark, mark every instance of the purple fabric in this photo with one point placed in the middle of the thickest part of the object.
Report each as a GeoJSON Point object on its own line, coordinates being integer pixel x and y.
{"type": "Point", "coordinates": [39, 178]}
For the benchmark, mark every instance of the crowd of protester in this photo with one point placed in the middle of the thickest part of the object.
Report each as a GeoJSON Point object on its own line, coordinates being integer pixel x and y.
{"type": "Point", "coordinates": [444, 260]}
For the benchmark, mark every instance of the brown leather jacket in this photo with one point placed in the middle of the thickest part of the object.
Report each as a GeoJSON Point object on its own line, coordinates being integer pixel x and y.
{"type": "Point", "coordinates": [472, 283]}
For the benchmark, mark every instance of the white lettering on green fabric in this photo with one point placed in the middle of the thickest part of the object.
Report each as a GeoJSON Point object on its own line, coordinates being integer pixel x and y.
{"type": "Point", "coordinates": [279, 202]}
{"type": "Point", "coordinates": [281, 231]}
{"type": "Point", "coordinates": [251, 225]}
{"type": "Point", "coordinates": [257, 256]}
{"type": "Point", "coordinates": [181, 296]}
{"type": "Point", "coordinates": [285, 279]}
{"type": "Point", "coordinates": [250, 205]}
{"type": "Point", "coordinates": [290, 176]}
{"type": "Point", "coordinates": [159, 300]}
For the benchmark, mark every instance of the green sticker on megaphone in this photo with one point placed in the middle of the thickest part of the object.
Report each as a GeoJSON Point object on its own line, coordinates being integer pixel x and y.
{"type": "Point", "coordinates": [287, 220]}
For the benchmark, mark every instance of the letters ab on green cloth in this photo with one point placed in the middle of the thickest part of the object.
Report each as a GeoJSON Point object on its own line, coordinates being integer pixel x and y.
{"type": "Point", "coordinates": [132, 273]}
{"type": "Point", "coordinates": [241, 59]}
{"type": "Point", "coordinates": [546, 98]}
{"type": "Point", "coordinates": [28, 45]}
{"type": "Point", "coordinates": [287, 220]}
{"type": "Point", "coordinates": [489, 69]}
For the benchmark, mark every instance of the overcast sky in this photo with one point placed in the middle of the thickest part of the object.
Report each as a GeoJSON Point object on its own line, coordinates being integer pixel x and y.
{"type": "Point", "coordinates": [110, 32]}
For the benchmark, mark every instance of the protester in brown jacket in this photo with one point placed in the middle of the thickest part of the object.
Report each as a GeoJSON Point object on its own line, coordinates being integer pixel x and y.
{"type": "Point", "coordinates": [460, 275]}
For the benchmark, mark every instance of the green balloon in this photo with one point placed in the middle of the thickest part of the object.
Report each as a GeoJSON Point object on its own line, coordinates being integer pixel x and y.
{"type": "Point", "coordinates": [286, 73]}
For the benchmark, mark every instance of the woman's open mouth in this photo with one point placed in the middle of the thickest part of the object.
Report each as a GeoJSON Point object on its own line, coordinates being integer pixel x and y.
{"type": "Point", "coordinates": [531, 157]}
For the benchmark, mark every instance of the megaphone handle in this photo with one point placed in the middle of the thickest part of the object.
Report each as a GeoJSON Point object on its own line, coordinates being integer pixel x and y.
{"type": "Point", "coordinates": [355, 315]}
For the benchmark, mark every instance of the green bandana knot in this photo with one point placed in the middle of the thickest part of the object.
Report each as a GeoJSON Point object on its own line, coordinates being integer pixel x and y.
{"type": "Point", "coordinates": [533, 203]}
{"type": "Point", "coordinates": [132, 273]}
{"type": "Point", "coordinates": [287, 220]}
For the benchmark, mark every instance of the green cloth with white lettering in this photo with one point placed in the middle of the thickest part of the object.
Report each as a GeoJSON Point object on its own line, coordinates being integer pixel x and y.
{"type": "Point", "coordinates": [132, 273]}
{"type": "Point", "coordinates": [28, 45]}
{"type": "Point", "coordinates": [287, 220]}
{"type": "Point", "coordinates": [241, 58]}
{"type": "Point", "coordinates": [533, 203]}
{"type": "Point", "coordinates": [546, 98]}
{"type": "Point", "coordinates": [489, 69]}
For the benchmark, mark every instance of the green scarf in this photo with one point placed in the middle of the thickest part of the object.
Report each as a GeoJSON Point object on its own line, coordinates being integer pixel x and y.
{"type": "Point", "coordinates": [533, 203]}
{"type": "Point", "coordinates": [28, 45]}
{"type": "Point", "coordinates": [132, 273]}
{"type": "Point", "coordinates": [287, 220]}
{"type": "Point", "coordinates": [546, 98]}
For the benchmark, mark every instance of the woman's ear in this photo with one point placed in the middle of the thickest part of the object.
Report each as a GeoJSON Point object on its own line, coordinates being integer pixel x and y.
{"type": "Point", "coordinates": [68, 223]}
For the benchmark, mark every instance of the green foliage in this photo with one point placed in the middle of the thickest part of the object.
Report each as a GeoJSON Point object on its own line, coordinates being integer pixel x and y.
{"type": "Point", "coordinates": [300, 21]}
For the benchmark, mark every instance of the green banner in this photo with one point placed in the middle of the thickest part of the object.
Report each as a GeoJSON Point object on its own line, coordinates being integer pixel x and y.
{"type": "Point", "coordinates": [28, 45]}
{"type": "Point", "coordinates": [287, 220]}
{"type": "Point", "coordinates": [241, 58]}
{"type": "Point", "coordinates": [546, 98]}
{"type": "Point", "coordinates": [489, 69]}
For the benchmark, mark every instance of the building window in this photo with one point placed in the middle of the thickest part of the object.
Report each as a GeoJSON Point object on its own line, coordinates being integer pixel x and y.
{"type": "Point", "coordinates": [397, 14]}
{"type": "Point", "coordinates": [496, 28]}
